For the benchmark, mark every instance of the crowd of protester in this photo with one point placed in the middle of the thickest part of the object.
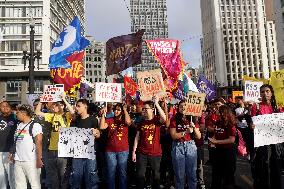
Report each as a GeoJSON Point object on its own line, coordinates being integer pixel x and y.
{"type": "Point", "coordinates": [149, 144]}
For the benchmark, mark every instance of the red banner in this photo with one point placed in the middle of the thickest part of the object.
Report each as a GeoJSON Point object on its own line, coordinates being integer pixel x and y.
{"type": "Point", "coordinates": [71, 77]}
{"type": "Point", "coordinates": [167, 53]}
{"type": "Point", "coordinates": [130, 86]}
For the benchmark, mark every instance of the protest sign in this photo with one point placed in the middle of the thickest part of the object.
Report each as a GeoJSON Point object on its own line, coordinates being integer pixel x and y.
{"type": "Point", "coordinates": [150, 83]}
{"type": "Point", "coordinates": [194, 103]}
{"type": "Point", "coordinates": [108, 92]}
{"type": "Point", "coordinates": [52, 93]}
{"type": "Point", "coordinates": [252, 91]}
{"type": "Point", "coordinates": [269, 129]}
{"type": "Point", "coordinates": [76, 143]}
{"type": "Point", "coordinates": [237, 93]}
{"type": "Point", "coordinates": [277, 82]}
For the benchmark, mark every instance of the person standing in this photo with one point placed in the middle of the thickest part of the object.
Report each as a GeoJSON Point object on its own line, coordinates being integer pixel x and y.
{"type": "Point", "coordinates": [117, 148]}
{"type": "Point", "coordinates": [28, 150]}
{"type": "Point", "coordinates": [8, 125]}
{"type": "Point", "coordinates": [147, 143]}
{"type": "Point", "coordinates": [82, 166]}
{"type": "Point", "coordinates": [183, 130]}
{"type": "Point", "coordinates": [268, 160]}
{"type": "Point", "coordinates": [58, 119]}
{"type": "Point", "coordinates": [223, 159]}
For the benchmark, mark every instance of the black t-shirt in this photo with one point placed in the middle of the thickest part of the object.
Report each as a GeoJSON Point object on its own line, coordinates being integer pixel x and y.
{"type": "Point", "coordinates": [8, 126]}
{"type": "Point", "coordinates": [87, 123]}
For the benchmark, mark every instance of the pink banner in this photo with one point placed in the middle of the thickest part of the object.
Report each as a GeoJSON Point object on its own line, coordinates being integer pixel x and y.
{"type": "Point", "coordinates": [167, 53]}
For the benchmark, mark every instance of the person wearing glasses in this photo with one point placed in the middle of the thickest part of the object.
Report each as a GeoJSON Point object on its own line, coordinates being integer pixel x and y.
{"type": "Point", "coordinates": [59, 118]}
{"type": "Point", "coordinates": [117, 148]}
{"type": "Point", "coordinates": [147, 147]}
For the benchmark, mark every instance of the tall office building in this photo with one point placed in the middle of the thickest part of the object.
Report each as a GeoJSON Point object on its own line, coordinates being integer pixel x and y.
{"type": "Point", "coordinates": [239, 38]}
{"type": "Point", "coordinates": [50, 17]}
{"type": "Point", "coordinates": [95, 68]}
{"type": "Point", "coordinates": [150, 15]}
{"type": "Point", "coordinates": [279, 20]}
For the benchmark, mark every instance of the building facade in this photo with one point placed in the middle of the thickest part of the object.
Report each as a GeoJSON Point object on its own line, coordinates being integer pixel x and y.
{"type": "Point", "coordinates": [95, 68]}
{"type": "Point", "coordinates": [151, 16]}
{"type": "Point", "coordinates": [238, 39]}
{"type": "Point", "coordinates": [279, 20]}
{"type": "Point", "coordinates": [50, 17]}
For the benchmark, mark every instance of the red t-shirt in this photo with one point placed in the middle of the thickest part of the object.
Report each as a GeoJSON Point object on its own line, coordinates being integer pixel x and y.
{"type": "Point", "coordinates": [221, 132]}
{"type": "Point", "coordinates": [261, 110]}
{"type": "Point", "coordinates": [117, 136]}
{"type": "Point", "coordinates": [201, 120]}
{"type": "Point", "coordinates": [149, 143]}
{"type": "Point", "coordinates": [181, 128]}
{"type": "Point", "coordinates": [211, 120]}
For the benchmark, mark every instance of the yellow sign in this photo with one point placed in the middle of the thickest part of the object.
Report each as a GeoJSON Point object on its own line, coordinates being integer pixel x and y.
{"type": "Point", "coordinates": [237, 93]}
{"type": "Point", "coordinates": [277, 82]}
{"type": "Point", "coordinates": [247, 78]}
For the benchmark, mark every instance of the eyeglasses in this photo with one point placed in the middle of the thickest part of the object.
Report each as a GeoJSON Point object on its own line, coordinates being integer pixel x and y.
{"type": "Point", "coordinates": [117, 110]}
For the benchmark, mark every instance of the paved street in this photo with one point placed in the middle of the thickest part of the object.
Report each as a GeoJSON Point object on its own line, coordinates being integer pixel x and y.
{"type": "Point", "coordinates": [242, 176]}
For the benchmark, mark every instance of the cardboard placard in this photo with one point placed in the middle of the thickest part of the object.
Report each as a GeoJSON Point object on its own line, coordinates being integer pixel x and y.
{"type": "Point", "coordinates": [108, 92]}
{"type": "Point", "coordinates": [52, 93]}
{"type": "Point", "coordinates": [252, 91]}
{"type": "Point", "coordinates": [151, 83]}
{"type": "Point", "coordinates": [194, 103]}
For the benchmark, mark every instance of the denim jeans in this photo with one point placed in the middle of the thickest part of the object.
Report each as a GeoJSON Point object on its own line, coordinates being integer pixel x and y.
{"type": "Point", "coordinates": [117, 161]}
{"type": "Point", "coordinates": [57, 167]}
{"type": "Point", "coordinates": [184, 157]}
{"type": "Point", "coordinates": [86, 167]}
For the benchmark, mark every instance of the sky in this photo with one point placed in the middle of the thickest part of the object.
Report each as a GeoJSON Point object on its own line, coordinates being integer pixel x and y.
{"type": "Point", "coordinates": [110, 18]}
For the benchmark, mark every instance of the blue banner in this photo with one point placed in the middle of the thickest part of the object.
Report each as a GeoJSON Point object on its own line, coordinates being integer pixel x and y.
{"type": "Point", "coordinates": [204, 86]}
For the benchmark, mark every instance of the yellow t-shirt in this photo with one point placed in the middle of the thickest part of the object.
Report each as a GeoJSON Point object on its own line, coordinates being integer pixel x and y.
{"type": "Point", "coordinates": [57, 122]}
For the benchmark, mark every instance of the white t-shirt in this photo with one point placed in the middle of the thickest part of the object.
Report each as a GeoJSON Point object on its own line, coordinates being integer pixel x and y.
{"type": "Point", "coordinates": [243, 123]}
{"type": "Point", "coordinates": [25, 147]}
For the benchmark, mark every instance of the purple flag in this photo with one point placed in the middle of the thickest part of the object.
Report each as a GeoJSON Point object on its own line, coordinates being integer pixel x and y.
{"type": "Point", "coordinates": [204, 86]}
{"type": "Point", "coordinates": [123, 52]}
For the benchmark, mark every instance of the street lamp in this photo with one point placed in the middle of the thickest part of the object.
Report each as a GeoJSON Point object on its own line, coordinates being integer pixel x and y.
{"type": "Point", "coordinates": [31, 56]}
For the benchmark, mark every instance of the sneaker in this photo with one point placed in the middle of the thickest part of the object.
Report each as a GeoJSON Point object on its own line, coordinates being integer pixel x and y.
{"type": "Point", "coordinates": [202, 186]}
{"type": "Point", "coordinates": [162, 186]}
{"type": "Point", "coordinates": [172, 187]}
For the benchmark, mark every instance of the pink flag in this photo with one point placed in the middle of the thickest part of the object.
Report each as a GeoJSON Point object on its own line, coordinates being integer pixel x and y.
{"type": "Point", "coordinates": [167, 53]}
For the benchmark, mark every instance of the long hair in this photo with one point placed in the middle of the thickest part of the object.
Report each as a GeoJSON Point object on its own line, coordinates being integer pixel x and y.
{"type": "Point", "coordinates": [273, 99]}
{"type": "Point", "coordinates": [227, 116]}
{"type": "Point", "coordinates": [179, 116]}
{"type": "Point", "coordinates": [122, 112]}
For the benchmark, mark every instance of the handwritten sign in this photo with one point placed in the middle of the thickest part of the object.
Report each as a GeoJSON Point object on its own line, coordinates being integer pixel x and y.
{"type": "Point", "coordinates": [150, 83]}
{"type": "Point", "coordinates": [52, 93]}
{"type": "Point", "coordinates": [252, 91]}
{"type": "Point", "coordinates": [269, 129]}
{"type": "Point", "coordinates": [76, 143]}
{"type": "Point", "coordinates": [130, 86]}
{"type": "Point", "coordinates": [108, 92]}
{"type": "Point", "coordinates": [277, 82]}
{"type": "Point", "coordinates": [194, 103]}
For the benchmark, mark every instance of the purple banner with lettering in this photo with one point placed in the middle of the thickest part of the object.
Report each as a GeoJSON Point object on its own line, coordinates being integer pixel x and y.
{"type": "Point", "coordinates": [123, 52]}
{"type": "Point", "coordinates": [204, 86]}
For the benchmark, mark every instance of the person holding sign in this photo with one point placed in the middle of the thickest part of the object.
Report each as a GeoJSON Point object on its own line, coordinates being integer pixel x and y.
{"type": "Point", "coordinates": [117, 148]}
{"type": "Point", "coordinates": [147, 143]}
{"type": "Point", "coordinates": [223, 160]}
{"type": "Point", "coordinates": [266, 164]}
{"type": "Point", "coordinates": [183, 130]}
{"type": "Point", "coordinates": [83, 166]}
{"type": "Point", "coordinates": [58, 119]}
